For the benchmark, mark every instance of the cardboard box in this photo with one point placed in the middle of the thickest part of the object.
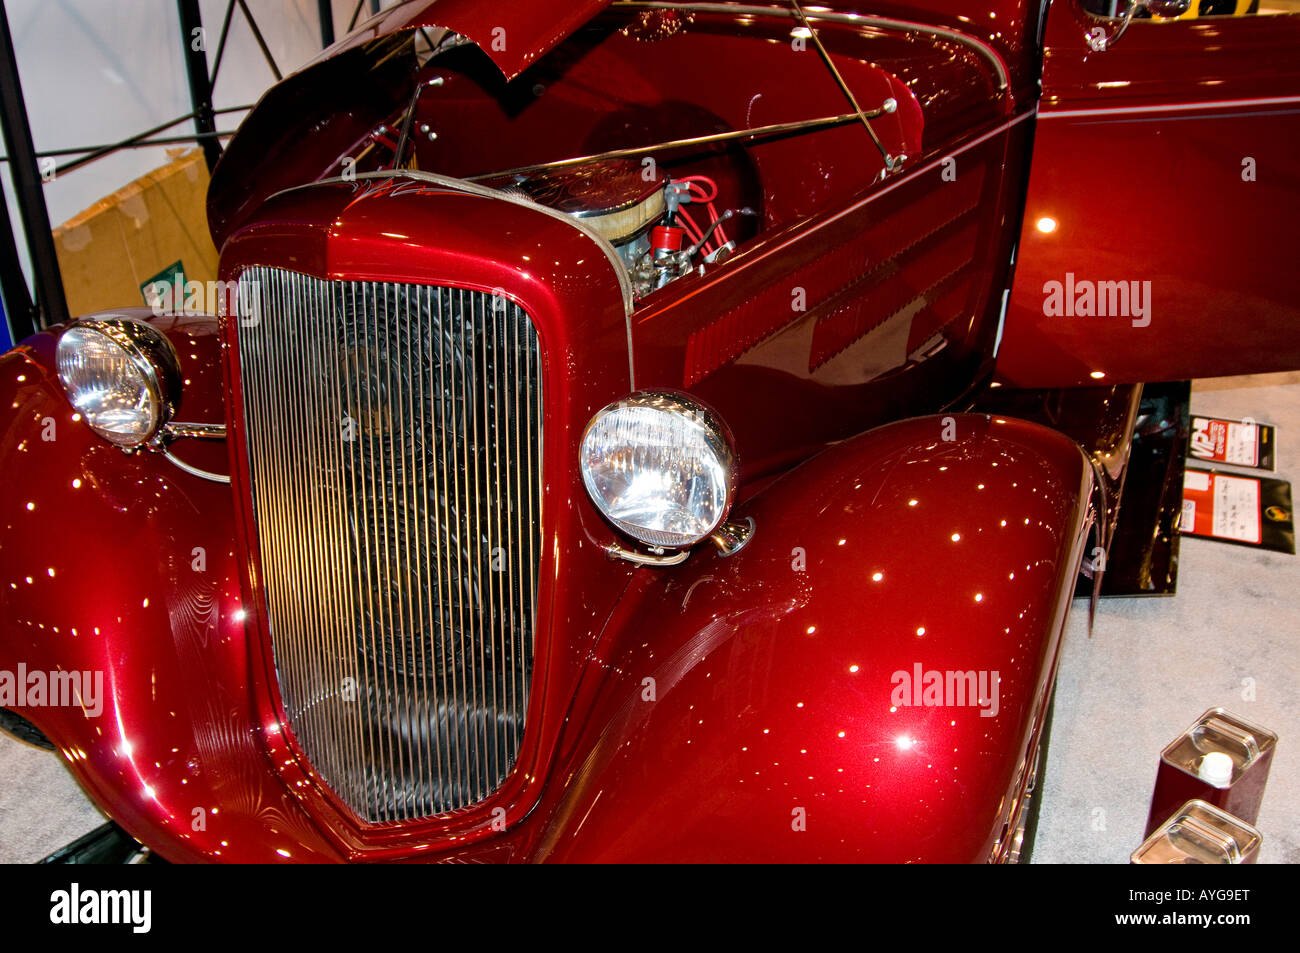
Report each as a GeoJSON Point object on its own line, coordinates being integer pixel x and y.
{"type": "Point", "coordinates": [146, 231]}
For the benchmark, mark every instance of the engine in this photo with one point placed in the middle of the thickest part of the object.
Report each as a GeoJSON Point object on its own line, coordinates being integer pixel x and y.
{"type": "Point", "coordinates": [646, 215]}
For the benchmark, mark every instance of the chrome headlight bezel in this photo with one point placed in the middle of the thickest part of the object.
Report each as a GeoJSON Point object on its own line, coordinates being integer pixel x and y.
{"type": "Point", "coordinates": [149, 353]}
{"type": "Point", "coordinates": [717, 440]}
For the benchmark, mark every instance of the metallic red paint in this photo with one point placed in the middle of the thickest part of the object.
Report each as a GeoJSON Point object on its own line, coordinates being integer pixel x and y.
{"type": "Point", "coordinates": [1101, 420]}
{"type": "Point", "coordinates": [730, 644]}
{"type": "Point", "coordinates": [407, 229]}
{"type": "Point", "coordinates": [606, 90]}
{"type": "Point", "coordinates": [772, 683]}
{"type": "Point", "coordinates": [906, 280]}
{"type": "Point", "coordinates": [769, 684]}
{"type": "Point", "coordinates": [514, 33]}
{"type": "Point", "coordinates": [517, 33]}
{"type": "Point", "coordinates": [735, 645]}
{"type": "Point", "coordinates": [177, 756]}
{"type": "Point", "coordinates": [1141, 162]}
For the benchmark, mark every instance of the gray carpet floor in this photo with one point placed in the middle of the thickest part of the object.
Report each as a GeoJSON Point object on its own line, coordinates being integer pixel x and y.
{"type": "Point", "coordinates": [1151, 667]}
{"type": "Point", "coordinates": [1154, 665]}
{"type": "Point", "coordinates": [41, 807]}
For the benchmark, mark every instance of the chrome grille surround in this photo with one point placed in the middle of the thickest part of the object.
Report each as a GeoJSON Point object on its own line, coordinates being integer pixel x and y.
{"type": "Point", "coordinates": [394, 437]}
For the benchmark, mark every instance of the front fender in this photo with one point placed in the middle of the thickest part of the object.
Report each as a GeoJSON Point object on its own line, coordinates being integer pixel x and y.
{"type": "Point", "coordinates": [760, 706]}
{"type": "Point", "coordinates": [124, 568]}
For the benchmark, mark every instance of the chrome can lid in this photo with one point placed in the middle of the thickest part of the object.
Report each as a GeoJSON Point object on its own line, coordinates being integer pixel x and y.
{"type": "Point", "coordinates": [1219, 747]}
{"type": "Point", "coordinates": [1199, 833]}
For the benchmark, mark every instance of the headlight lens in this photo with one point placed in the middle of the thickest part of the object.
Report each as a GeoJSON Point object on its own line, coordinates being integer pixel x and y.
{"type": "Point", "coordinates": [122, 376]}
{"type": "Point", "coordinates": [660, 467]}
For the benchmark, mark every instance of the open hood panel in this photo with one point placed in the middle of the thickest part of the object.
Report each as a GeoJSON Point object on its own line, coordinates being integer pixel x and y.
{"type": "Point", "coordinates": [348, 88]}
{"type": "Point", "coordinates": [513, 33]}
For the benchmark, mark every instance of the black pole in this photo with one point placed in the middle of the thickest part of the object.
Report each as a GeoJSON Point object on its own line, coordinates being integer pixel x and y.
{"type": "Point", "coordinates": [326, 9]}
{"type": "Point", "coordinates": [98, 152]}
{"type": "Point", "coordinates": [261, 40]}
{"type": "Point", "coordinates": [199, 137]}
{"type": "Point", "coordinates": [196, 68]}
{"type": "Point", "coordinates": [51, 306]}
{"type": "Point", "coordinates": [356, 15]}
{"type": "Point", "coordinates": [13, 286]}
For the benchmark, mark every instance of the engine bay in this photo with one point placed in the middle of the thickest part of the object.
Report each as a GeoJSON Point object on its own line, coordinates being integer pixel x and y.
{"type": "Point", "coordinates": [662, 227]}
{"type": "Point", "coordinates": [631, 126]}
{"type": "Point", "coordinates": [632, 130]}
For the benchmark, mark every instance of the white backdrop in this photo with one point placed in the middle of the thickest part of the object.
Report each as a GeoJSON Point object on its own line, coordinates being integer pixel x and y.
{"type": "Point", "coordinates": [97, 71]}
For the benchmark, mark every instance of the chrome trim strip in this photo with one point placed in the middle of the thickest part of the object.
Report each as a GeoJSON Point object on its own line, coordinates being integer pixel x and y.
{"type": "Point", "coordinates": [616, 551]}
{"type": "Point", "coordinates": [1002, 321]}
{"type": "Point", "coordinates": [195, 471]}
{"type": "Point", "coordinates": [176, 430]}
{"type": "Point", "coordinates": [753, 132]}
{"type": "Point", "coordinates": [1176, 107]}
{"type": "Point", "coordinates": [888, 23]}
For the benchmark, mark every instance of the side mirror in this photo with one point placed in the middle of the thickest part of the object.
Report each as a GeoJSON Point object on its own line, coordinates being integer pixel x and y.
{"type": "Point", "coordinates": [1097, 39]}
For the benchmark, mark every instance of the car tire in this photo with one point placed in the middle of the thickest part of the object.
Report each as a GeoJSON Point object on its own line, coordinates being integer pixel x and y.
{"type": "Point", "coordinates": [19, 727]}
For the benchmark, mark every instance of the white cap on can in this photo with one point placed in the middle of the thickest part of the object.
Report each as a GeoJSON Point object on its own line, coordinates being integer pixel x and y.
{"type": "Point", "coordinates": [1216, 768]}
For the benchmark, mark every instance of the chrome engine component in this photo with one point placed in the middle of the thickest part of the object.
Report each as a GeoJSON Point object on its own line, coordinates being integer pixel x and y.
{"type": "Point", "coordinates": [626, 203]}
{"type": "Point", "coordinates": [617, 198]}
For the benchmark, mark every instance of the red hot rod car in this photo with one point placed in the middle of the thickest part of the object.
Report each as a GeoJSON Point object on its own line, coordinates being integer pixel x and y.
{"type": "Point", "coordinates": [600, 457]}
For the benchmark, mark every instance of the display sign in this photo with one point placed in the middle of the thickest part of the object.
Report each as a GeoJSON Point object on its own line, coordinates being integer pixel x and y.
{"type": "Point", "coordinates": [1251, 511]}
{"type": "Point", "coordinates": [1239, 443]}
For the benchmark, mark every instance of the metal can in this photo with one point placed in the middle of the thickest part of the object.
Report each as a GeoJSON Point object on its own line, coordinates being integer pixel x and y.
{"type": "Point", "coordinates": [1221, 759]}
{"type": "Point", "coordinates": [1200, 833]}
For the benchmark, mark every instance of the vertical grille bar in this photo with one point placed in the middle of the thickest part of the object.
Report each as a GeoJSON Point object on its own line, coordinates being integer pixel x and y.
{"type": "Point", "coordinates": [394, 438]}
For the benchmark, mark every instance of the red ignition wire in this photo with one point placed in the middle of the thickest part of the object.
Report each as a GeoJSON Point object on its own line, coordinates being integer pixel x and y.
{"type": "Point", "coordinates": [692, 229]}
{"type": "Point", "coordinates": [703, 196]}
{"type": "Point", "coordinates": [700, 194]}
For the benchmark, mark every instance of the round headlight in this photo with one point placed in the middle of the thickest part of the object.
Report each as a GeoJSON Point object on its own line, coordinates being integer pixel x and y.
{"type": "Point", "coordinates": [122, 375]}
{"type": "Point", "coordinates": [660, 467]}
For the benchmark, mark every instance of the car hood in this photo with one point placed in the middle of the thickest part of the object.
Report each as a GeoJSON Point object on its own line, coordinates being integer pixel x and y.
{"type": "Point", "coordinates": [328, 101]}
{"type": "Point", "coordinates": [513, 33]}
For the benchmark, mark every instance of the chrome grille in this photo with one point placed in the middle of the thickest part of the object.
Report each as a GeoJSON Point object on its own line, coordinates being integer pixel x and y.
{"type": "Point", "coordinates": [393, 434]}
